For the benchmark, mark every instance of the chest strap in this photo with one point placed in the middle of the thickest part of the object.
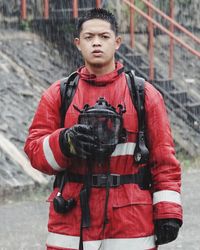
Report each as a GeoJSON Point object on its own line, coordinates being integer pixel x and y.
{"type": "Point", "coordinates": [142, 178]}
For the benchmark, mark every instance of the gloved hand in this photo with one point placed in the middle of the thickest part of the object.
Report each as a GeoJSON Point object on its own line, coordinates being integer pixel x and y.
{"type": "Point", "coordinates": [78, 140]}
{"type": "Point", "coordinates": [166, 230]}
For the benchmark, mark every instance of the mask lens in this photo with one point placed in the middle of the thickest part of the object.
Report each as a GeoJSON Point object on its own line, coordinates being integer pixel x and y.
{"type": "Point", "coordinates": [106, 123]}
{"type": "Point", "coordinates": [106, 128]}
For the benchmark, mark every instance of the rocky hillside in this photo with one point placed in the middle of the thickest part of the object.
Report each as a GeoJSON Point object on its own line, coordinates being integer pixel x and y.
{"type": "Point", "coordinates": [27, 67]}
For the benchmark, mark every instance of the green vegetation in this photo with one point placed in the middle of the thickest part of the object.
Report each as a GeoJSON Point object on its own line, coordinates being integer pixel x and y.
{"type": "Point", "coordinates": [24, 25]}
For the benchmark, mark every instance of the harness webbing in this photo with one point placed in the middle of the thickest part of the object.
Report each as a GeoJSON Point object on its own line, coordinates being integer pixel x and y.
{"type": "Point", "coordinates": [68, 88]}
{"type": "Point", "coordinates": [141, 178]}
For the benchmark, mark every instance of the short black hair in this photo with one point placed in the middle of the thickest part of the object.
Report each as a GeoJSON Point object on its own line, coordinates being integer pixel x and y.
{"type": "Point", "coordinates": [98, 13]}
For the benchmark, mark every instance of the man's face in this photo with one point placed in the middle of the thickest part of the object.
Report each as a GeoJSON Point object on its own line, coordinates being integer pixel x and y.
{"type": "Point", "coordinates": [97, 43]}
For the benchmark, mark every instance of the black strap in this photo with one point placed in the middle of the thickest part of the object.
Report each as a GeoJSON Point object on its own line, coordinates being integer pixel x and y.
{"type": "Point", "coordinates": [67, 90]}
{"type": "Point", "coordinates": [136, 87]}
{"type": "Point", "coordinates": [84, 202]}
{"type": "Point", "coordinates": [142, 178]}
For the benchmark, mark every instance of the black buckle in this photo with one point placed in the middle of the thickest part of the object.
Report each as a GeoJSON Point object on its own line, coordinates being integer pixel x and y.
{"type": "Point", "coordinates": [114, 180]}
{"type": "Point", "coordinates": [100, 180]}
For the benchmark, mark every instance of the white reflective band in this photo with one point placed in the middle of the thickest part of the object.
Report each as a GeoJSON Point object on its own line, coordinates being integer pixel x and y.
{"type": "Point", "coordinates": [166, 195]}
{"type": "Point", "coordinates": [72, 242]}
{"type": "Point", "coordinates": [124, 149]}
{"type": "Point", "coordinates": [49, 155]}
{"type": "Point", "coordinates": [64, 241]}
{"type": "Point", "coordinates": [142, 243]}
{"type": "Point", "coordinates": [93, 245]}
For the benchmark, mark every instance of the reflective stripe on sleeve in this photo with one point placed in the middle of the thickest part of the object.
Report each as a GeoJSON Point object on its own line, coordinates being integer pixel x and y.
{"type": "Point", "coordinates": [124, 149]}
{"type": "Point", "coordinates": [72, 242]}
{"type": "Point", "coordinates": [49, 155]}
{"type": "Point", "coordinates": [166, 196]}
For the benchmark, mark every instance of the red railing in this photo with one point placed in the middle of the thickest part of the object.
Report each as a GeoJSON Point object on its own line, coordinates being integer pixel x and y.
{"type": "Point", "coordinates": [23, 10]}
{"type": "Point", "coordinates": [151, 45]}
{"type": "Point", "coordinates": [170, 32]}
{"type": "Point", "coordinates": [75, 8]}
{"type": "Point", "coordinates": [46, 8]}
{"type": "Point", "coordinates": [171, 19]}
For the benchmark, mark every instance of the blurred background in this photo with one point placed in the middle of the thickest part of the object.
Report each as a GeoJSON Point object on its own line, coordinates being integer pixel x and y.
{"type": "Point", "coordinates": [161, 42]}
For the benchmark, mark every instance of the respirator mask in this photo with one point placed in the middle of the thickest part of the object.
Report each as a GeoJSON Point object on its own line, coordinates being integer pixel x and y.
{"type": "Point", "coordinates": [106, 123]}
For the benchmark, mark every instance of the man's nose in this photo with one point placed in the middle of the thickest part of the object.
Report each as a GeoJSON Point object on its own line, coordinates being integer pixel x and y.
{"type": "Point", "coordinates": [96, 41]}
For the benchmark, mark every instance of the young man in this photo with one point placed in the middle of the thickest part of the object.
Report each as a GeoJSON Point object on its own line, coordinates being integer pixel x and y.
{"type": "Point", "coordinates": [106, 213]}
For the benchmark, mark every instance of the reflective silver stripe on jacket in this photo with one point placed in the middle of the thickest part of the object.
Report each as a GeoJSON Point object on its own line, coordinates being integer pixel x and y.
{"type": "Point", "coordinates": [166, 195]}
{"type": "Point", "coordinates": [49, 155]}
{"type": "Point", "coordinates": [72, 242]}
{"type": "Point", "coordinates": [124, 149]}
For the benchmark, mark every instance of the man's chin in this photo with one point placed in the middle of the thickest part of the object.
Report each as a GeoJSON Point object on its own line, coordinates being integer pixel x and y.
{"type": "Point", "coordinates": [98, 63]}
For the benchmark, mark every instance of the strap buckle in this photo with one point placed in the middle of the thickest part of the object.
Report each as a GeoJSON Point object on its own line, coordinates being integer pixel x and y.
{"type": "Point", "coordinates": [100, 180]}
{"type": "Point", "coordinates": [114, 180]}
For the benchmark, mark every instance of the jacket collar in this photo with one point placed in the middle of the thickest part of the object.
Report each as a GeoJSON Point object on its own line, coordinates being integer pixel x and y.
{"type": "Point", "coordinates": [101, 80]}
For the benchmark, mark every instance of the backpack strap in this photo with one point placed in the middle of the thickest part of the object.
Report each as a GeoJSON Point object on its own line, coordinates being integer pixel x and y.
{"type": "Point", "coordinates": [67, 90]}
{"type": "Point", "coordinates": [68, 87]}
{"type": "Point", "coordinates": [136, 88]}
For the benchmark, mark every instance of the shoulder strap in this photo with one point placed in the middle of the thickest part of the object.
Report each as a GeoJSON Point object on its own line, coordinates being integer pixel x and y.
{"type": "Point", "coordinates": [136, 87]}
{"type": "Point", "coordinates": [67, 90]}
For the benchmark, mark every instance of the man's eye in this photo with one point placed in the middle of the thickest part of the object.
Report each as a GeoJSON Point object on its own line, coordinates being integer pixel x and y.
{"type": "Point", "coordinates": [88, 37]}
{"type": "Point", "coordinates": [105, 37]}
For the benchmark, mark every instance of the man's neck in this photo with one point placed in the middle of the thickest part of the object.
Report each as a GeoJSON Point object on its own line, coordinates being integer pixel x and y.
{"type": "Point", "coordinates": [100, 70]}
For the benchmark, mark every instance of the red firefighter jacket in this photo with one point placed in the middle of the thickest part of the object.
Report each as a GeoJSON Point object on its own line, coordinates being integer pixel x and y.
{"type": "Point", "coordinates": [131, 211]}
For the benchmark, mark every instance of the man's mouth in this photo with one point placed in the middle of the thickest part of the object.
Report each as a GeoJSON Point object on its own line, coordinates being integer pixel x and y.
{"type": "Point", "coordinates": [97, 52]}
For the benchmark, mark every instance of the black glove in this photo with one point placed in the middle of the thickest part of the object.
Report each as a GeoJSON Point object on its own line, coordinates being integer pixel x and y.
{"type": "Point", "coordinates": [166, 230]}
{"type": "Point", "coordinates": [78, 140]}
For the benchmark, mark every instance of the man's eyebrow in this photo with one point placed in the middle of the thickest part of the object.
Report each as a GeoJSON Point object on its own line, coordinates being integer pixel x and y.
{"type": "Point", "coordinates": [105, 33]}
{"type": "Point", "coordinates": [93, 33]}
{"type": "Point", "coordinates": [88, 33]}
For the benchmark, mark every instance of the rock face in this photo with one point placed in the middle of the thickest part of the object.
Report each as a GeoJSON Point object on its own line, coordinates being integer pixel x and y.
{"type": "Point", "coordinates": [187, 13]}
{"type": "Point", "coordinates": [27, 67]}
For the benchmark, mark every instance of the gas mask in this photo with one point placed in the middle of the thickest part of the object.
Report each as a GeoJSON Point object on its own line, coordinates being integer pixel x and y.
{"type": "Point", "coordinates": [106, 124]}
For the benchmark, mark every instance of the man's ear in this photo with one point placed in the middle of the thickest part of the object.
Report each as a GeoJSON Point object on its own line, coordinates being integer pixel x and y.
{"type": "Point", "coordinates": [118, 42]}
{"type": "Point", "coordinates": [77, 43]}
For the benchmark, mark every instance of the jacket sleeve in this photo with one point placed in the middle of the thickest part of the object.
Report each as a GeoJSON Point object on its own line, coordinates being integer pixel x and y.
{"type": "Point", "coordinates": [165, 168]}
{"type": "Point", "coordinates": [42, 145]}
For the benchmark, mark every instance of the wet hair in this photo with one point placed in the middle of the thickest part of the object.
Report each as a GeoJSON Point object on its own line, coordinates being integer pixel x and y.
{"type": "Point", "coordinates": [98, 13]}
